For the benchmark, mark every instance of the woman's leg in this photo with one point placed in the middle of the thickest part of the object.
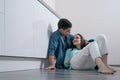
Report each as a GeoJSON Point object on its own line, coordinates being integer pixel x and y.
{"type": "Point", "coordinates": [102, 68]}
{"type": "Point", "coordinates": [82, 61]}
{"type": "Point", "coordinates": [91, 50]}
{"type": "Point", "coordinates": [96, 56]}
{"type": "Point", "coordinates": [105, 60]}
{"type": "Point", "coordinates": [102, 44]}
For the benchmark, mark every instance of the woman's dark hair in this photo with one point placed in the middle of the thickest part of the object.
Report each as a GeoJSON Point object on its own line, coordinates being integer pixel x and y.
{"type": "Point", "coordinates": [83, 42]}
{"type": "Point", "coordinates": [64, 24]}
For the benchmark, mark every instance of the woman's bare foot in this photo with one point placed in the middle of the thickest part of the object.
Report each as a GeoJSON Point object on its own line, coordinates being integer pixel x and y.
{"type": "Point", "coordinates": [106, 70]}
{"type": "Point", "coordinates": [112, 69]}
{"type": "Point", "coordinates": [102, 67]}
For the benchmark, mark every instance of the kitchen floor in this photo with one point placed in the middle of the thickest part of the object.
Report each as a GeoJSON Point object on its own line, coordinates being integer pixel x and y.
{"type": "Point", "coordinates": [40, 74]}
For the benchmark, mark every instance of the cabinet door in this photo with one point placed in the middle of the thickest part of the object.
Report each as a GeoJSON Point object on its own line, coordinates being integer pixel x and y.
{"type": "Point", "coordinates": [43, 27]}
{"type": "Point", "coordinates": [19, 27]}
{"type": "Point", "coordinates": [1, 6]}
{"type": "Point", "coordinates": [1, 34]}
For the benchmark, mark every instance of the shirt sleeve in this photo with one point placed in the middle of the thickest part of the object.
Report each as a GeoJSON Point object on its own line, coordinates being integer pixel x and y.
{"type": "Point", "coordinates": [53, 43]}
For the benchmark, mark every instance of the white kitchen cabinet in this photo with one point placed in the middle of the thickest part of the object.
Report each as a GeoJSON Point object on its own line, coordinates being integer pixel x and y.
{"type": "Point", "coordinates": [1, 34]}
{"type": "Point", "coordinates": [19, 27]}
{"type": "Point", "coordinates": [2, 6]}
{"type": "Point", "coordinates": [45, 24]}
{"type": "Point", "coordinates": [28, 25]}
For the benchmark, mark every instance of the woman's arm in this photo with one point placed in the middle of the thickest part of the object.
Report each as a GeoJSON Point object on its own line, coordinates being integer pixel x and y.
{"type": "Point", "coordinates": [67, 58]}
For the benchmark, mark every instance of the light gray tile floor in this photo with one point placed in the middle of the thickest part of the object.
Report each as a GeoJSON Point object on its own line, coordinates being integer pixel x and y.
{"type": "Point", "coordinates": [39, 74]}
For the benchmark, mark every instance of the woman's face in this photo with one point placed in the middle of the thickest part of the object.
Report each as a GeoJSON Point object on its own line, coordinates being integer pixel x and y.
{"type": "Point", "coordinates": [76, 40]}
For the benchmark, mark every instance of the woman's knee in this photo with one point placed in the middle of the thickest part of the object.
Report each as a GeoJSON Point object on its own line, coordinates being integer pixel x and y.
{"type": "Point", "coordinates": [93, 44]}
{"type": "Point", "coordinates": [101, 37]}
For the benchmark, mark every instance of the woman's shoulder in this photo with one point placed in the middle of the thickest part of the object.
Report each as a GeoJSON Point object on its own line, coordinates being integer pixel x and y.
{"type": "Point", "coordinates": [70, 49]}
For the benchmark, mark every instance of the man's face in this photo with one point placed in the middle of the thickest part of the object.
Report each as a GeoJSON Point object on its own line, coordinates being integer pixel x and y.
{"type": "Point", "coordinates": [65, 32]}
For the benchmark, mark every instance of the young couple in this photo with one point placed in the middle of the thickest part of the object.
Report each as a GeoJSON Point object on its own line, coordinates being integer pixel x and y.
{"type": "Point", "coordinates": [67, 51]}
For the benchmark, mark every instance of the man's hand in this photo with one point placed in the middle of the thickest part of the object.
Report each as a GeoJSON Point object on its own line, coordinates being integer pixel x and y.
{"type": "Point", "coordinates": [52, 67]}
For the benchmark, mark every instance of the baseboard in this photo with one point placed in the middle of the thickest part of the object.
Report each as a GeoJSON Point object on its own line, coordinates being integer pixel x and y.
{"type": "Point", "coordinates": [115, 65]}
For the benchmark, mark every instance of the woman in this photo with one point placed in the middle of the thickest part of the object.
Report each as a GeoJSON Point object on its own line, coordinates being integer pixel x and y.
{"type": "Point", "coordinates": [87, 55]}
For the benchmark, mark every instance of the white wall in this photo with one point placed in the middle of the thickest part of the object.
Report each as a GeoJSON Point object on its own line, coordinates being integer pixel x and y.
{"type": "Point", "coordinates": [92, 17]}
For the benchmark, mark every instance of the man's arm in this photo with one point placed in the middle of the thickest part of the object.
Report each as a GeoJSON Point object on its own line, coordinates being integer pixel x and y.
{"type": "Point", "coordinates": [51, 63]}
{"type": "Point", "coordinates": [53, 44]}
{"type": "Point", "coordinates": [51, 60]}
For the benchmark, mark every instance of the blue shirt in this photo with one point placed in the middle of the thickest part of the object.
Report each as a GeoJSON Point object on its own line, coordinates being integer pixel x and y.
{"type": "Point", "coordinates": [58, 46]}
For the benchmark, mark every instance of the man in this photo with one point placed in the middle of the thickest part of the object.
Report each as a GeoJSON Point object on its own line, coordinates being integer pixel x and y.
{"type": "Point", "coordinates": [59, 42]}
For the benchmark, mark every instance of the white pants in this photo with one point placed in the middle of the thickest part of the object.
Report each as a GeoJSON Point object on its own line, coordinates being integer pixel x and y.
{"type": "Point", "coordinates": [85, 58]}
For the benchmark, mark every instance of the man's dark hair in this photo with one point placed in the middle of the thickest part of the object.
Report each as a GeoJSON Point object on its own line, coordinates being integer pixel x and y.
{"type": "Point", "coordinates": [64, 24]}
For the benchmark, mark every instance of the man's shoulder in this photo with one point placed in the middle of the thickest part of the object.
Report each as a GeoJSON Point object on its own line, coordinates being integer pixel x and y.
{"type": "Point", "coordinates": [70, 36]}
{"type": "Point", "coordinates": [55, 34]}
